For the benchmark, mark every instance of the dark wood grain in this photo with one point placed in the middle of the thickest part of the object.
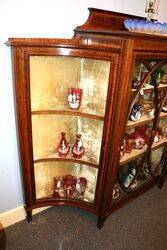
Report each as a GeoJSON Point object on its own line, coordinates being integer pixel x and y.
{"type": "Point", "coordinates": [102, 37]}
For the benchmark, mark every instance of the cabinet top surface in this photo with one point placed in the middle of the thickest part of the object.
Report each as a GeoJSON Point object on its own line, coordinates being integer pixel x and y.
{"type": "Point", "coordinates": [99, 22]}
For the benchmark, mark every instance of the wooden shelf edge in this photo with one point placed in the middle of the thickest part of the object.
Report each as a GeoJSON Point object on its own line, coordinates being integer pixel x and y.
{"type": "Point", "coordinates": [151, 88]}
{"type": "Point", "coordinates": [137, 153]}
{"type": "Point", "coordinates": [79, 161]}
{"type": "Point", "coordinates": [66, 112]}
{"type": "Point", "coordinates": [63, 200]}
{"type": "Point", "coordinates": [144, 120]}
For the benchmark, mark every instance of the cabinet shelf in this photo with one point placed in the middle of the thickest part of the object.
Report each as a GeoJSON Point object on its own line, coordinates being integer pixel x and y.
{"type": "Point", "coordinates": [139, 152]}
{"type": "Point", "coordinates": [144, 120]}
{"type": "Point", "coordinates": [149, 88]}
{"type": "Point", "coordinates": [69, 158]}
{"type": "Point", "coordinates": [67, 112]}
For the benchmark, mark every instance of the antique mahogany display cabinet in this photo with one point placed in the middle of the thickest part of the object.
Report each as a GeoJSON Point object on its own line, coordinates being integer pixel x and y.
{"type": "Point", "coordinates": [92, 115]}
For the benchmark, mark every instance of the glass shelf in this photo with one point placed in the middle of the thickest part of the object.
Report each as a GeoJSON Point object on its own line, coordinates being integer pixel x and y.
{"type": "Point", "coordinates": [45, 172]}
{"type": "Point", "coordinates": [51, 77]}
{"type": "Point", "coordinates": [46, 132]}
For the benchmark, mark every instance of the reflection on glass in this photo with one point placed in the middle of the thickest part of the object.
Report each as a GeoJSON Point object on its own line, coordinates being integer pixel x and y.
{"type": "Point", "coordinates": [52, 77]}
{"type": "Point", "coordinates": [82, 186]}
{"type": "Point", "coordinates": [146, 96]}
{"type": "Point", "coordinates": [133, 174]}
{"type": "Point", "coordinates": [47, 129]}
{"type": "Point", "coordinates": [156, 160]}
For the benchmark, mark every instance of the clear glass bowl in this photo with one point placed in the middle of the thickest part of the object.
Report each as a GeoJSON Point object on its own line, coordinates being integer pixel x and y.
{"type": "Point", "coordinates": [148, 27]}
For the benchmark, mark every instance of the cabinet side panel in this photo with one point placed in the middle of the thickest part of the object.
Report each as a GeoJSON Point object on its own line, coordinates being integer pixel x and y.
{"type": "Point", "coordinates": [23, 121]}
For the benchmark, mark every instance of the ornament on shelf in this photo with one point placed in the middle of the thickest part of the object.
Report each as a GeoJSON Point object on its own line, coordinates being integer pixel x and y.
{"type": "Point", "coordinates": [129, 142]}
{"type": "Point", "coordinates": [141, 137]}
{"type": "Point", "coordinates": [82, 184]}
{"type": "Point", "coordinates": [78, 148]}
{"type": "Point", "coordinates": [74, 97]}
{"type": "Point", "coordinates": [136, 112]}
{"type": "Point", "coordinates": [115, 192]}
{"type": "Point", "coordinates": [135, 83]}
{"type": "Point", "coordinates": [157, 135]}
{"type": "Point", "coordinates": [63, 146]}
{"type": "Point", "coordinates": [164, 109]}
{"type": "Point", "coordinates": [127, 176]}
{"type": "Point", "coordinates": [122, 148]}
{"type": "Point", "coordinates": [69, 186]}
{"type": "Point", "coordinates": [58, 190]}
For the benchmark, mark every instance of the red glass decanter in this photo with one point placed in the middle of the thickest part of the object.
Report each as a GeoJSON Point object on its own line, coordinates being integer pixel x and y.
{"type": "Point", "coordinates": [63, 147]}
{"type": "Point", "coordinates": [78, 149]}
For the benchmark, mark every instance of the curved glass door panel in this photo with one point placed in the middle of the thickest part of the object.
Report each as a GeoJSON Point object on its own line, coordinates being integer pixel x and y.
{"type": "Point", "coordinates": [158, 154]}
{"type": "Point", "coordinates": [54, 78]}
{"type": "Point", "coordinates": [47, 129]}
{"type": "Point", "coordinates": [157, 159]}
{"type": "Point", "coordinates": [143, 146]}
{"type": "Point", "coordinates": [65, 180]}
{"type": "Point", "coordinates": [68, 99]}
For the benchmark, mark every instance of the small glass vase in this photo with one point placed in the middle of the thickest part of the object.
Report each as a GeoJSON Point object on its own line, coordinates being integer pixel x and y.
{"type": "Point", "coordinates": [82, 181]}
{"type": "Point", "coordinates": [74, 97]}
{"type": "Point", "coordinates": [63, 146]}
{"type": "Point", "coordinates": [69, 183]}
{"type": "Point", "coordinates": [78, 148]}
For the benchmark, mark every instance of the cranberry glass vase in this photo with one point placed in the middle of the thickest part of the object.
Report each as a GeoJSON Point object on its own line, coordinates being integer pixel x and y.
{"type": "Point", "coordinates": [57, 187]}
{"type": "Point", "coordinates": [78, 148]}
{"type": "Point", "coordinates": [82, 185]}
{"type": "Point", "coordinates": [74, 97]}
{"type": "Point", "coordinates": [69, 185]}
{"type": "Point", "coordinates": [141, 137]}
{"type": "Point", "coordinates": [63, 146]}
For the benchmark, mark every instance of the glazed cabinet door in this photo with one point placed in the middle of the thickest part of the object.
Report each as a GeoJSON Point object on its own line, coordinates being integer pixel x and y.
{"type": "Point", "coordinates": [67, 101]}
{"type": "Point", "coordinates": [143, 149]}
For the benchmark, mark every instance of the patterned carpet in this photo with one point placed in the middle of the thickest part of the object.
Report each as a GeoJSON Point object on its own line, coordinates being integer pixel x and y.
{"type": "Point", "coordinates": [141, 225]}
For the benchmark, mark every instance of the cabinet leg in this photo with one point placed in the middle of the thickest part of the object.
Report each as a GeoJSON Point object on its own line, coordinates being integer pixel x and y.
{"type": "Point", "coordinates": [29, 216]}
{"type": "Point", "coordinates": [100, 222]}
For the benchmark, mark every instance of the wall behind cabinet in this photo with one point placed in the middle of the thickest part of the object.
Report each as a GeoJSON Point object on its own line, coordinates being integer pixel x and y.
{"type": "Point", "coordinates": [40, 18]}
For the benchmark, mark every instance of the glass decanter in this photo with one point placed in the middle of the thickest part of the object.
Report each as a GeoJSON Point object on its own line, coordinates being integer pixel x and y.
{"type": "Point", "coordinates": [78, 148]}
{"type": "Point", "coordinates": [63, 146]}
